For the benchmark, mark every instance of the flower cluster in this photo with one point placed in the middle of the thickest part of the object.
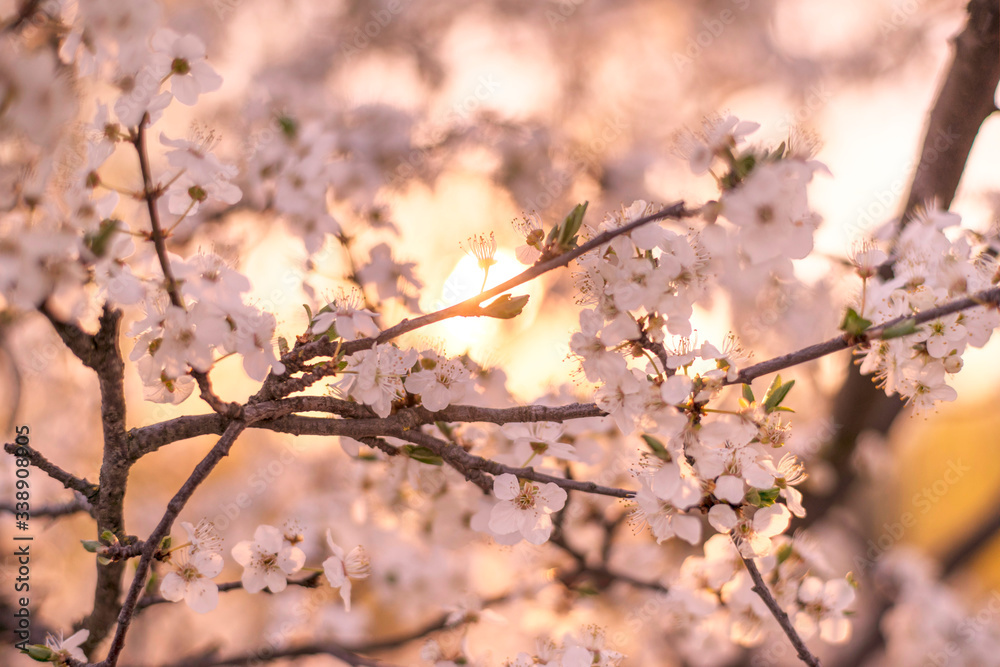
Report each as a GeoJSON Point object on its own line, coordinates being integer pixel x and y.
{"type": "Point", "coordinates": [173, 339]}
{"type": "Point", "coordinates": [194, 566]}
{"type": "Point", "coordinates": [929, 270]}
{"type": "Point", "coordinates": [268, 560]}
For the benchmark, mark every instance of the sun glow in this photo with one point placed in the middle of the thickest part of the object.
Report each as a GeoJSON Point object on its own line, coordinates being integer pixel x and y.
{"type": "Point", "coordinates": [480, 334]}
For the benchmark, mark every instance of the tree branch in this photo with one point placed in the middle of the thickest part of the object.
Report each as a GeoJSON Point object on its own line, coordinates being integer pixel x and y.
{"type": "Point", "coordinates": [78, 504]}
{"type": "Point", "coordinates": [761, 589]}
{"type": "Point", "coordinates": [68, 480]}
{"type": "Point", "coordinates": [468, 308]}
{"type": "Point", "coordinates": [174, 507]}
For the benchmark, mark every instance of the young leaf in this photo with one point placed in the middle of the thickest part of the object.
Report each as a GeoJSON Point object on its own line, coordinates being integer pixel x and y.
{"type": "Point", "coordinates": [422, 454]}
{"type": "Point", "coordinates": [763, 497]}
{"type": "Point", "coordinates": [854, 324]}
{"type": "Point", "coordinates": [657, 448]}
{"type": "Point", "coordinates": [775, 398]}
{"type": "Point", "coordinates": [904, 328]}
{"type": "Point", "coordinates": [505, 307]}
{"type": "Point", "coordinates": [748, 393]}
{"type": "Point", "coordinates": [570, 226]}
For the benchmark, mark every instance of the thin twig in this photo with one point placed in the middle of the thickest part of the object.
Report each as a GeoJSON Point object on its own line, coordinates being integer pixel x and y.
{"type": "Point", "coordinates": [761, 589]}
{"type": "Point", "coordinates": [68, 480]}
{"type": "Point", "coordinates": [74, 506]}
{"type": "Point", "coordinates": [468, 464]}
{"type": "Point", "coordinates": [468, 308]}
{"type": "Point", "coordinates": [174, 507]}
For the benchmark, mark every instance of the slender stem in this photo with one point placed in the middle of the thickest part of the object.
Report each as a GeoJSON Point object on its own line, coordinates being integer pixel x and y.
{"type": "Point", "coordinates": [174, 507]}
{"type": "Point", "coordinates": [151, 193]}
{"type": "Point", "coordinates": [761, 589]}
{"type": "Point", "coordinates": [469, 307]}
{"type": "Point", "coordinates": [984, 298]}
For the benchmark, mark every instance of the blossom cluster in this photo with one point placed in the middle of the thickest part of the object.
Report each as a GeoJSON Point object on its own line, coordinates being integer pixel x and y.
{"type": "Point", "coordinates": [929, 269]}
{"type": "Point", "coordinates": [268, 560]}
{"type": "Point", "coordinates": [70, 246]}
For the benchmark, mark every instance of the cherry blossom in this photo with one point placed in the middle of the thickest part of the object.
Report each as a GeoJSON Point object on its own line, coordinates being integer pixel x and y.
{"type": "Point", "coordinates": [182, 59]}
{"type": "Point", "coordinates": [69, 647]}
{"type": "Point", "coordinates": [191, 579]}
{"type": "Point", "coordinates": [440, 382]}
{"type": "Point", "coordinates": [375, 376]}
{"type": "Point", "coordinates": [525, 508]}
{"type": "Point", "coordinates": [340, 568]}
{"type": "Point", "coordinates": [823, 606]}
{"type": "Point", "coordinates": [267, 560]}
{"type": "Point", "coordinates": [754, 532]}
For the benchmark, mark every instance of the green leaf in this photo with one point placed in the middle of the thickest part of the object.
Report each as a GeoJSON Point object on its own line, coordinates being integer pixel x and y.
{"type": "Point", "coordinates": [763, 498]}
{"type": "Point", "coordinates": [904, 328]}
{"type": "Point", "coordinates": [854, 324]}
{"type": "Point", "coordinates": [775, 397]}
{"type": "Point", "coordinates": [422, 454]}
{"type": "Point", "coordinates": [91, 545]}
{"type": "Point", "coordinates": [445, 427]}
{"type": "Point", "coordinates": [505, 307]}
{"type": "Point", "coordinates": [657, 448]}
{"type": "Point", "coordinates": [99, 240]}
{"type": "Point", "coordinates": [748, 393]}
{"type": "Point", "coordinates": [570, 226]}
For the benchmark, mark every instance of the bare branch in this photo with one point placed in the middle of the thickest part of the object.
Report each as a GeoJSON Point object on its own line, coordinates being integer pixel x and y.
{"type": "Point", "coordinates": [78, 504]}
{"type": "Point", "coordinates": [68, 480]}
{"type": "Point", "coordinates": [267, 654]}
{"type": "Point", "coordinates": [470, 464]}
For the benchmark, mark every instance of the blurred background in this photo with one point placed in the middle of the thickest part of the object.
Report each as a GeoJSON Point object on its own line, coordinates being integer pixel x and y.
{"type": "Point", "coordinates": [455, 119]}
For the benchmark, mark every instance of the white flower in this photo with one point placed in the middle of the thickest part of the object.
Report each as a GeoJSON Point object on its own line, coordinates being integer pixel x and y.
{"type": "Point", "coordinates": [68, 647]}
{"type": "Point", "coordinates": [526, 508]}
{"type": "Point", "coordinates": [441, 383]}
{"type": "Point", "coordinates": [267, 560]}
{"type": "Point", "coordinates": [754, 533]}
{"type": "Point", "coordinates": [191, 579]}
{"type": "Point", "coordinates": [772, 212]}
{"type": "Point", "coordinates": [718, 134]}
{"type": "Point", "coordinates": [924, 384]}
{"type": "Point", "coordinates": [347, 315]}
{"type": "Point", "coordinates": [340, 569]}
{"type": "Point", "coordinates": [182, 57]}
{"type": "Point", "coordinates": [823, 604]}
{"type": "Point", "coordinates": [203, 537]}
{"type": "Point", "coordinates": [157, 387]}
{"type": "Point", "coordinates": [376, 378]}
{"type": "Point", "coordinates": [253, 340]}
{"type": "Point", "coordinates": [663, 519]}
{"type": "Point", "coordinates": [539, 438]}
